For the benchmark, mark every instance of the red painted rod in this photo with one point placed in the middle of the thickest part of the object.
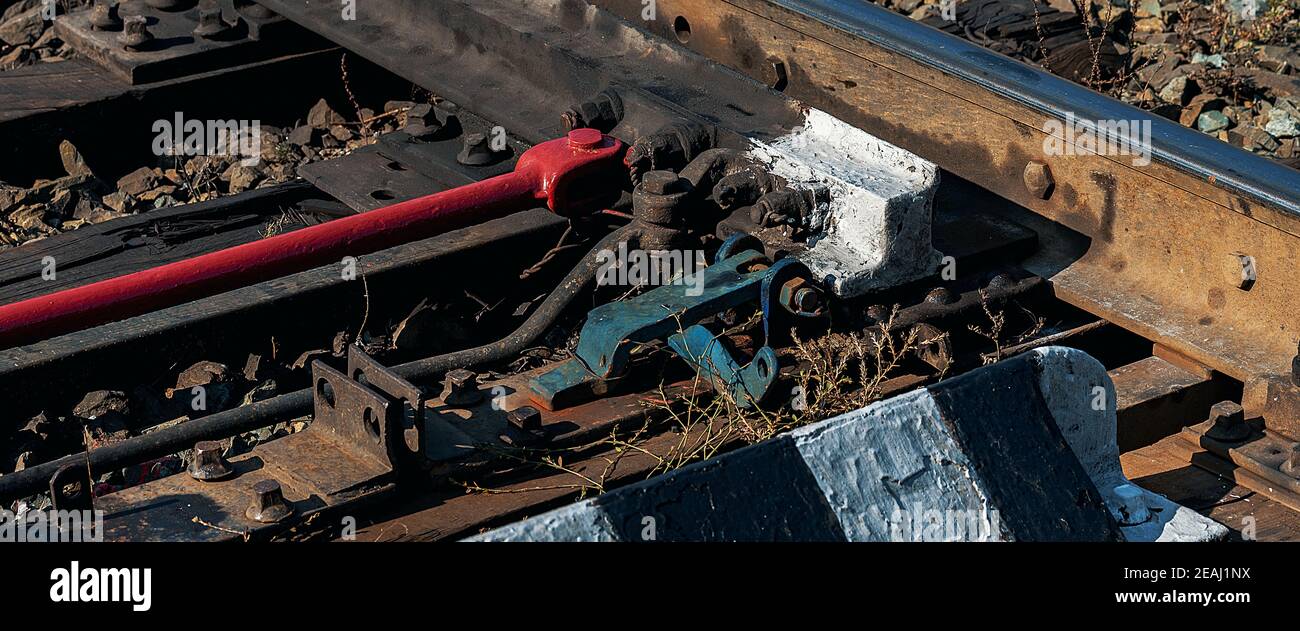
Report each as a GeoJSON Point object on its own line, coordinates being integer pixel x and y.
{"type": "Point", "coordinates": [574, 175]}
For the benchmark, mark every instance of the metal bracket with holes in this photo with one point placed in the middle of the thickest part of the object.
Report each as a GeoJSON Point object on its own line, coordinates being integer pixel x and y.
{"type": "Point", "coordinates": [747, 385]}
{"type": "Point", "coordinates": [347, 456]}
{"type": "Point", "coordinates": [740, 275]}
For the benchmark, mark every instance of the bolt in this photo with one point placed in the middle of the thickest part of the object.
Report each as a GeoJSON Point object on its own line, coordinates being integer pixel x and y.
{"type": "Point", "coordinates": [789, 294]}
{"type": "Point", "coordinates": [586, 138]}
{"type": "Point", "coordinates": [526, 418]}
{"type": "Point", "coordinates": [1132, 509]}
{"type": "Point", "coordinates": [104, 17]}
{"type": "Point", "coordinates": [1038, 179]}
{"type": "Point", "coordinates": [1291, 466]}
{"type": "Point", "coordinates": [255, 10]}
{"type": "Point", "coordinates": [1242, 270]}
{"type": "Point", "coordinates": [1227, 422]}
{"type": "Point", "coordinates": [461, 378]}
{"type": "Point", "coordinates": [211, 26]}
{"type": "Point", "coordinates": [135, 32]}
{"type": "Point", "coordinates": [208, 462]}
{"type": "Point", "coordinates": [662, 183]}
{"type": "Point", "coordinates": [941, 296]}
{"type": "Point", "coordinates": [422, 113]}
{"type": "Point", "coordinates": [478, 151]}
{"type": "Point", "coordinates": [1001, 281]}
{"type": "Point", "coordinates": [461, 388]}
{"type": "Point", "coordinates": [268, 504]}
{"type": "Point", "coordinates": [421, 123]}
{"type": "Point", "coordinates": [1295, 367]}
{"type": "Point", "coordinates": [603, 112]}
{"type": "Point", "coordinates": [572, 119]}
{"type": "Point", "coordinates": [807, 300]}
{"type": "Point", "coordinates": [780, 79]}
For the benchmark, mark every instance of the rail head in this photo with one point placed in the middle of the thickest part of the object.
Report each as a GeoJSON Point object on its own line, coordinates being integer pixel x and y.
{"type": "Point", "coordinates": [1185, 149]}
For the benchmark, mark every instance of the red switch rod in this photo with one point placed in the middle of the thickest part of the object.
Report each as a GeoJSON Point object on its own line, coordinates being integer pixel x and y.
{"type": "Point", "coordinates": [575, 175]}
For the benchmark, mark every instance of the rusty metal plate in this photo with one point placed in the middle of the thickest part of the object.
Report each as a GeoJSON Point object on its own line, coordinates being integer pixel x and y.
{"type": "Point", "coordinates": [345, 457]}
{"type": "Point", "coordinates": [1256, 464]}
{"type": "Point", "coordinates": [175, 51]}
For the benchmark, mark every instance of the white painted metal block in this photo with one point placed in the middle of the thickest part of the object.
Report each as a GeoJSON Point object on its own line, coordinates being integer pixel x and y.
{"type": "Point", "coordinates": [1082, 397]}
{"type": "Point", "coordinates": [875, 232]}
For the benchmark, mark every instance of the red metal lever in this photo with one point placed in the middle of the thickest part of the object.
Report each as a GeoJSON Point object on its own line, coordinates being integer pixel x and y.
{"type": "Point", "coordinates": [573, 176]}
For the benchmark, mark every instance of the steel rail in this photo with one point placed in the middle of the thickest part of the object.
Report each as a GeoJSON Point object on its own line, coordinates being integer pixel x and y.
{"type": "Point", "coordinates": [1154, 246]}
{"type": "Point", "coordinates": [1187, 149]}
{"type": "Point", "coordinates": [1158, 244]}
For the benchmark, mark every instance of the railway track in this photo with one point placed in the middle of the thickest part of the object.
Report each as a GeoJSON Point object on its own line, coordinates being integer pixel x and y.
{"type": "Point", "coordinates": [458, 326]}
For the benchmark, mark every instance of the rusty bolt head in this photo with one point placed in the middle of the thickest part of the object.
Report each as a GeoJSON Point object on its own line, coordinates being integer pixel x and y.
{"type": "Point", "coordinates": [807, 300]}
{"type": "Point", "coordinates": [526, 418]}
{"type": "Point", "coordinates": [208, 462]}
{"type": "Point", "coordinates": [135, 32]}
{"type": "Point", "coordinates": [1295, 367]}
{"type": "Point", "coordinates": [104, 16]}
{"type": "Point", "coordinates": [779, 79]}
{"type": "Point", "coordinates": [255, 10]}
{"type": "Point", "coordinates": [1038, 179]}
{"type": "Point", "coordinates": [1241, 269]}
{"type": "Point", "coordinates": [477, 151]}
{"type": "Point", "coordinates": [461, 388]}
{"type": "Point", "coordinates": [461, 378]}
{"type": "Point", "coordinates": [422, 122]}
{"type": "Point", "coordinates": [572, 119]}
{"type": "Point", "coordinates": [1002, 280]}
{"type": "Point", "coordinates": [421, 113]}
{"type": "Point", "coordinates": [941, 296]}
{"type": "Point", "coordinates": [788, 291]}
{"type": "Point", "coordinates": [662, 183]}
{"type": "Point", "coordinates": [1228, 422]}
{"type": "Point", "coordinates": [211, 26]}
{"type": "Point", "coordinates": [268, 506]}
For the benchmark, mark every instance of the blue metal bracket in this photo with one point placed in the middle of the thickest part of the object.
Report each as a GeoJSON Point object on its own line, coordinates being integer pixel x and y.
{"type": "Point", "coordinates": [745, 385]}
{"type": "Point", "coordinates": [741, 275]}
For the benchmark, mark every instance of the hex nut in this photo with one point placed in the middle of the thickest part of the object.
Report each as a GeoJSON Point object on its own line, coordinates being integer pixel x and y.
{"type": "Point", "coordinates": [662, 183]}
{"type": "Point", "coordinates": [526, 418]}
{"type": "Point", "coordinates": [460, 388]}
{"type": "Point", "coordinates": [211, 26]}
{"type": "Point", "coordinates": [1038, 179]}
{"type": "Point", "coordinates": [135, 32]}
{"type": "Point", "coordinates": [104, 16]}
